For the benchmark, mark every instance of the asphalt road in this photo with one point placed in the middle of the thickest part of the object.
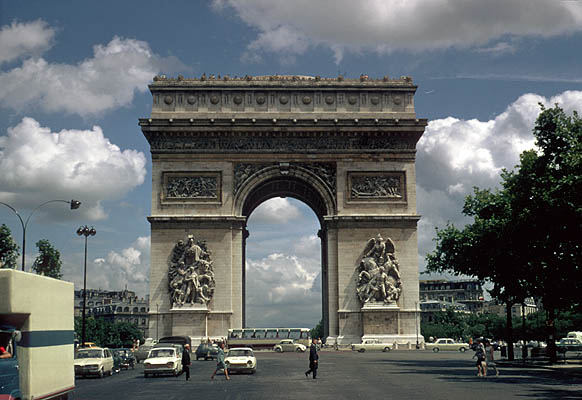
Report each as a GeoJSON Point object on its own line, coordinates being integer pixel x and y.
{"type": "Point", "coordinates": [342, 375]}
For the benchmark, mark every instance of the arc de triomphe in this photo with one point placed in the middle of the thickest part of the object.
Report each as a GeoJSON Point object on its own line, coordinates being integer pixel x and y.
{"type": "Point", "coordinates": [345, 147]}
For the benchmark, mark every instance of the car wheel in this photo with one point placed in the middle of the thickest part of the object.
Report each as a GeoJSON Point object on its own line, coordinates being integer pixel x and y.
{"type": "Point", "coordinates": [101, 373]}
{"type": "Point", "coordinates": [298, 350]}
{"type": "Point", "coordinates": [361, 350]}
{"type": "Point", "coordinates": [462, 349]}
{"type": "Point", "coordinates": [436, 350]}
{"type": "Point", "coordinates": [386, 349]}
{"type": "Point", "coordinates": [278, 349]}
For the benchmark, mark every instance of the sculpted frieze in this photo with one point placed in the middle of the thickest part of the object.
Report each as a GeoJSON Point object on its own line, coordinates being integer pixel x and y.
{"type": "Point", "coordinates": [190, 273]}
{"type": "Point", "coordinates": [325, 171]}
{"type": "Point", "coordinates": [378, 273]}
{"type": "Point", "coordinates": [278, 144]}
{"type": "Point", "coordinates": [377, 186]}
{"type": "Point", "coordinates": [192, 187]}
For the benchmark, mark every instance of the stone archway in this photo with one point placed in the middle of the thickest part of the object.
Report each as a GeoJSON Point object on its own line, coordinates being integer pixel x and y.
{"type": "Point", "coordinates": [346, 148]}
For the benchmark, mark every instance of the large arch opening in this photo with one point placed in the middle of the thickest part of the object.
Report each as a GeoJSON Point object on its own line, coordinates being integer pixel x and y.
{"type": "Point", "coordinates": [284, 254]}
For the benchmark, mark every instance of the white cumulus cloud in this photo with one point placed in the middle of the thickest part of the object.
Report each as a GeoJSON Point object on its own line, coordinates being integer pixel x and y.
{"type": "Point", "coordinates": [104, 82]}
{"type": "Point", "coordinates": [24, 39]}
{"type": "Point", "coordinates": [284, 290]}
{"type": "Point", "coordinates": [455, 155]}
{"type": "Point", "coordinates": [39, 164]}
{"type": "Point", "coordinates": [290, 27]}
{"type": "Point", "coordinates": [117, 269]}
{"type": "Point", "coordinates": [276, 210]}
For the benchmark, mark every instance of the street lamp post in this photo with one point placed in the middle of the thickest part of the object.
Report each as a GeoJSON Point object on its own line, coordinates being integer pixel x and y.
{"type": "Point", "coordinates": [74, 204]}
{"type": "Point", "coordinates": [85, 231]}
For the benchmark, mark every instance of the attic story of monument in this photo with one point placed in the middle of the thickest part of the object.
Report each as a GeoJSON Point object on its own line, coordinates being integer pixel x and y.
{"type": "Point", "coordinates": [221, 146]}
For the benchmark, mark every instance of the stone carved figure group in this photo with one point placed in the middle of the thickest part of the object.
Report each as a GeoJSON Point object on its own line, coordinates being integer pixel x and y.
{"type": "Point", "coordinates": [378, 279]}
{"type": "Point", "coordinates": [190, 273]}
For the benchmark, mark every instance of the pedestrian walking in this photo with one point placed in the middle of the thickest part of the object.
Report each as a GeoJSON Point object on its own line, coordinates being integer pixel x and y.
{"type": "Point", "coordinates": [220, 362]}
{"type": "Point", "coordinates": [186, 360]}
{"type": "Point", "coordinates": [313, 359]}
{"type": "Point", "coordinates": [480, 355]}
{"type": "Point", "coordinates": [490, 358]}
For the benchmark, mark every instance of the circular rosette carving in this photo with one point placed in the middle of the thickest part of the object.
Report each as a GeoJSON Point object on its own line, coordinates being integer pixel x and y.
{"type": "Point", "coordinates": [352, 100]}
{"type": "Point", "coordinates": [190, 273]}
{"type": "Point", "coordinates": [191, 100]}
{"type": "Point", "coordinates": [397, 100]}
{"type": "Point", "coordinates": [261, 99]}
{"type": "Point", "coordinates": [214, 99]}
{"type": "Point", "coordinates": [306, 100]}
{"type": "Point", "coordinates": [284, 99]}
{"type": "Point", "coordinates": [237, 99]}
{"type": "Point", "coordinates": [374, 100]}
{"type": "Point", "coordinates": [378, 273]}
{"type": "Point", "coordinates": [329, 100]}
{"type": "Point", "coordinates": [168, 100]}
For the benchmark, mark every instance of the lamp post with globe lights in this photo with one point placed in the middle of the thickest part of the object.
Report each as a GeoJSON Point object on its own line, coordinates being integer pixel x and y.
{"type": "Point", "coordinates": [85, 231]}
{"type": "Point", "coordinates": [74, 204]}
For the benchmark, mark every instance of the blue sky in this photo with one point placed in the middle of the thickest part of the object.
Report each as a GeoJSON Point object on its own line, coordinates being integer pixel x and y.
{"type": "Point", "coordinates": [73, 83]}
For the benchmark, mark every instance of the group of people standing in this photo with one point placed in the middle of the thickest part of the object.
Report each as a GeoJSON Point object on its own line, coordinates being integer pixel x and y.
{"type": "Point", "coordinates": [220, 365]}
{"type": "Point", "coordinates": [485, 354]}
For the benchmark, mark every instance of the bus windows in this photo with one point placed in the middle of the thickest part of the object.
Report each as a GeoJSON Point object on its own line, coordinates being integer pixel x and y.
{"type": "Point", "coordinates": [248, 333]}
{"type": "Point", "coordinates": [271, 334]}
{"type": "Point", "coordinates": [260, 333]}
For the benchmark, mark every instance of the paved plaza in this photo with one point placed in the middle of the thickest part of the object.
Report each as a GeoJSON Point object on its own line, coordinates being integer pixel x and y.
{"type": "Point", "coordinates": [344, 375]}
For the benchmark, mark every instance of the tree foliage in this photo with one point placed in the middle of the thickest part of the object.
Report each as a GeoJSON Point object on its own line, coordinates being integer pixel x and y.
{"type": "Point", "coordinates": [8, 249]}
{"type": "Point", "coordinates": [525, 237]}
{"type": "Point", "coordinates": [48, 262]}
{"type": "Point", "coordinates": [106, 333]}
{"type": "Point", "coordinates": [317, 332]}
{"type": "Point", "coordinates": [451, 324]}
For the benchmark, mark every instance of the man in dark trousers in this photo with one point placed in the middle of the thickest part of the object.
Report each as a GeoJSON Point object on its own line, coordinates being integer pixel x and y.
{"type": "Point", "coordinates": [313, 357]}
{"type": "Point", "coordinates": [186, 360]}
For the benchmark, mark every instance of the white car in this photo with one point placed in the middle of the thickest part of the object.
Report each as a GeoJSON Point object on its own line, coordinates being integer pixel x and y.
{"type": "Point", "coordinates": [447, 344]}
{"type": "Point", "coordinates": [241, 359]}
{"type": "Point", "coordinates": [289, 345]}
{"type": "Point", "coordinates": [94, 361]}
{"type": "Point", "coordinates": [371, 345]}
{"type": "Point", "coordinates": [163, 360]}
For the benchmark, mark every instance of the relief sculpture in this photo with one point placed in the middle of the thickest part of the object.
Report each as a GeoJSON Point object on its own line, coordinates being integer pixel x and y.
{"type": "Point", "coordinates": [190, 273]}
{"type": "Point", "coordinates": [364, 187]}
{"type": "Point", "coordinates": [378, 278]}
{"type": "Point", "coordinates": [192, 187]}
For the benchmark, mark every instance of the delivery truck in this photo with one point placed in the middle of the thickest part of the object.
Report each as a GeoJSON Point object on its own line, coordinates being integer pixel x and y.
{"type": "Point", "coordinates": [36, 337]}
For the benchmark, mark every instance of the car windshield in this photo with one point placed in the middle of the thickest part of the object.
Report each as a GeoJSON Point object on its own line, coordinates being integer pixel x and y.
{"type": "Point", "coordinates": [161, 353]}
{"type": "Point", "coordinates": [88, 354]}
{"type": "Point", "coordinates": [240, 353]}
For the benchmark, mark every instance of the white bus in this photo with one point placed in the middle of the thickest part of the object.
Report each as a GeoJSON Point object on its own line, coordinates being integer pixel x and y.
{"type": "Point", "coordinates": [258, 338]}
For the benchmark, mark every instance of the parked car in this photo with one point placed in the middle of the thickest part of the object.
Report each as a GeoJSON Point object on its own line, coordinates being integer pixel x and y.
{"type": "Point", "coordinates": [289, 345]}
{"type": "Point", "coordinates": [447, 344]}
{"type": "Point", "coordinates": [371, 345]}
{"type": "Point", "coordinates": [206, 351]}
{"type": "Point", "coordinates": [569, 344]}
{"type": "Point", "coordinates": [163, 360]}
{"type": "Point", "coordinates": [241, 359]}
{"type": "Point", "coordinates": [94, 361]}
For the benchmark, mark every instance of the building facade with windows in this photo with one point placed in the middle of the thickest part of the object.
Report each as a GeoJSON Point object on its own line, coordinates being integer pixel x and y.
{"type": "Point", "coordinates": [115, 306]}
{"type": "Point", "coordinates": [461, 295]}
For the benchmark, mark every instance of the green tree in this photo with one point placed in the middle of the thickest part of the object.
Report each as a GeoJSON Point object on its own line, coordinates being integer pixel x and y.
{"type": "Point", "coordinates": [547, 212]}
{"type": "Point", "coordinates": [525, 238]}
{"type": "Point", "coordinates": [106, 333]}
{"type": "Point", "coordinates": [8, 249]}
{"type": "Point", "coordinates": [48, 262]}
{"type": "Point", "coordinates": [317, 332]}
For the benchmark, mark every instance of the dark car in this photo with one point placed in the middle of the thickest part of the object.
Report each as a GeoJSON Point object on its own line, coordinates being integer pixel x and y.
{"type": "Point", "coordinates": [206, 351]}
{"type": "Point", "coordinates": [127, 359]}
